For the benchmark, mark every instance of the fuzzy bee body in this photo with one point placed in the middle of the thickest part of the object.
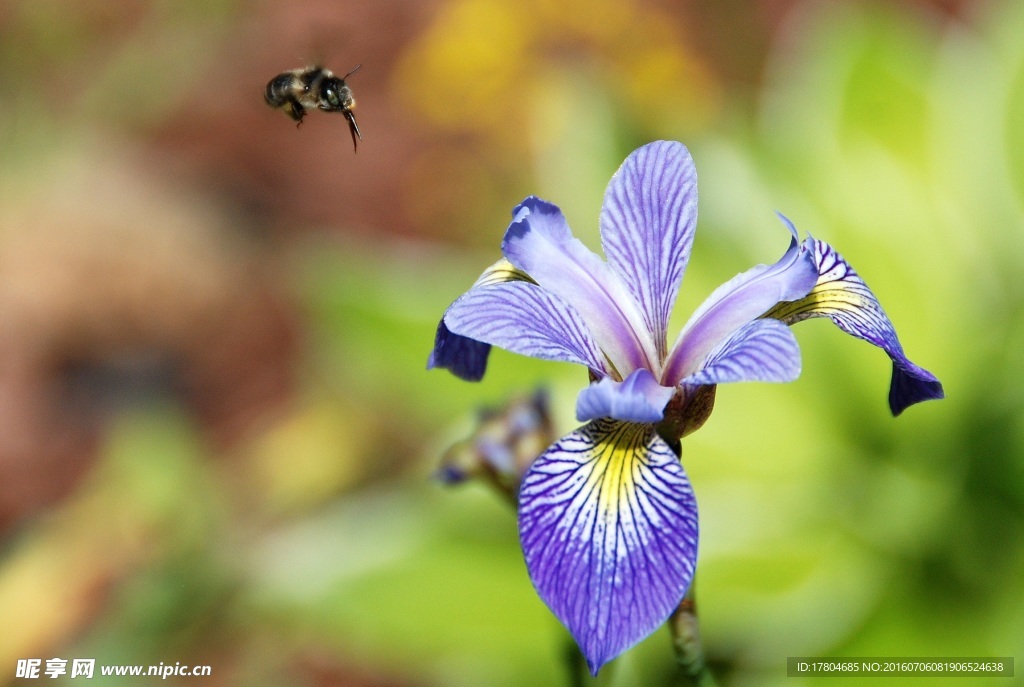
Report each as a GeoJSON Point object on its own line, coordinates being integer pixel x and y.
{"type": "Point", "coordinates": [313, 88]}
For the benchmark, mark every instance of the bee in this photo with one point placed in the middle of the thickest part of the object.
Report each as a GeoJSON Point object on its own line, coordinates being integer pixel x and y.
{"type": "Point", "coordinates": [314, 88]}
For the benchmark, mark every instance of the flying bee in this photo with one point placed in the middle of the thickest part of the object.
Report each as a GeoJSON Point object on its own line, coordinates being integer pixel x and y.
{"type": "Point", "coordinates": [314, 88]}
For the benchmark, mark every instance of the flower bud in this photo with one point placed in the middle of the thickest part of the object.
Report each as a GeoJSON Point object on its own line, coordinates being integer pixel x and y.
{"type": "Point", "coordinates": [504, 445]}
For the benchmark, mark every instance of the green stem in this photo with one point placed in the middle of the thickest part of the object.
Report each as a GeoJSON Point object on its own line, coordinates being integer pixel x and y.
{"type": "Point", "coordinates": [693, 670]}
{"type": "Point", "coordinates": [574, 664]}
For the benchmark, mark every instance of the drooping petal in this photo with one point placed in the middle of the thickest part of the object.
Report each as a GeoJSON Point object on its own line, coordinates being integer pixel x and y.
{"type": "Point", "coordinates": [608, 525]}
{"type": "Point", "coordinates": [637, 399]}
{"type": "Point", "coordinates": [743, 298]}
{"type": "Point", "coordinates": [464, 357]}
{"type": "Point", "coordinates": [539, 242]}
{"type": "Point", "coordinates": [760, 351]}
{"type": "Point", "coordinates": [524, 318]}
{"type": "Point", "coordinates": [647, 226]}
{"type": "Point", "coordinates": [843, 297]}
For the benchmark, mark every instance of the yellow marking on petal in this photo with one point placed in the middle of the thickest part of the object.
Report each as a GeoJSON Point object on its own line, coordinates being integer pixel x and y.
{"type": "Point", "coordinates": [616, 467]}
{"type": "Point", "coordinates": [500, 272]}
{"type": "Point", "coordinates": [827, 297]}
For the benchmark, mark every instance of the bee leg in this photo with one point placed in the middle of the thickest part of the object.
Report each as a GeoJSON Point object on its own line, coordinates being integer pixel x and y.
{"type": "Point", "coordinates": [353, 127]}
{"type": "Point", "coordinates": [294, 109]}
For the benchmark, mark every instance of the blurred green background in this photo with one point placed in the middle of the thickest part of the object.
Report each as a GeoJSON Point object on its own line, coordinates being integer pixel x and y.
{"type": "Point", "coordinates": [217, 436]}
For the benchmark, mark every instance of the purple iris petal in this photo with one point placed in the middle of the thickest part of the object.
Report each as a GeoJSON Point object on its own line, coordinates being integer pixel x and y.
{"type": "Point", "coordinates": [910, 384]}
{"type": "Point", "coordinates": [523, 318]}
{"type": "Point", "coordinates": [539, 242]}
{"type": "Point", "coordinates": [637, 399]}
{"type": "Point", "coordinates": [843, 297]}
{"type": "Point", "coordinates": [743, 298]}
{"type": "Point", "coordinates": [464, 357]}
{"type": "Point", "coordinates": [760, 351]}
{"type": "Point", "coordinates": [608, 525]}
{"type": "Point", "coordinates": [647, 226]}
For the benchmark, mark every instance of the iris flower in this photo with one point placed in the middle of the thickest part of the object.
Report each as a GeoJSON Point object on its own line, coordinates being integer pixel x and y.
{"type": "Point", "coordinates": [607, 516]}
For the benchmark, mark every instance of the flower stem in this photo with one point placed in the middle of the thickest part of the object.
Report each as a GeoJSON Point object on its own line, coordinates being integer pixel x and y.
{"type": "Point", "coordinates": [574, 664]}
{"type": "Point", "coordinates": [693, 670]}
